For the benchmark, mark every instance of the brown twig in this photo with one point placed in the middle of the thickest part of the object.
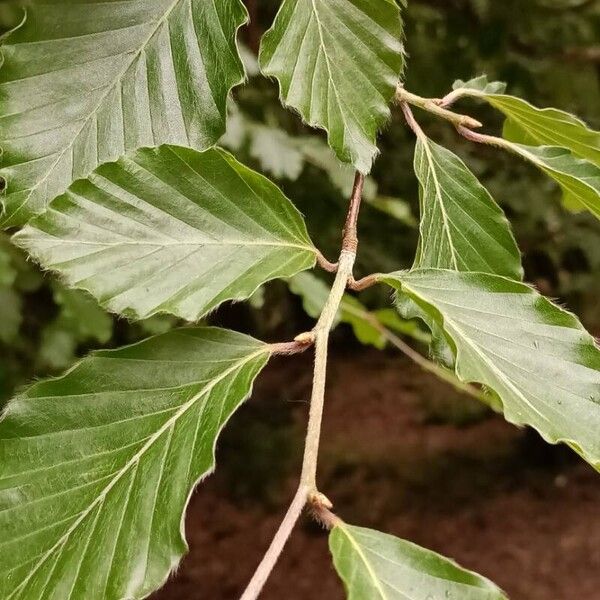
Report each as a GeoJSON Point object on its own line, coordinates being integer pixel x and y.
{"type": "Point", "coordinates": [364, 283]}
{"type": "Point", "coordinates": [297, 346]}
{"type": "Point", "coordinates": [325, 264]}
{"type": "Point", "coordinates": [350, 234]}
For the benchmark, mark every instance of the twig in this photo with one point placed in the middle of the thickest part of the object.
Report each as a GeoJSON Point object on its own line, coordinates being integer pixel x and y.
{"type": "Point", "coordinates": [307, 489]}
{"type": "Point", "coordinates": [434, 107]}
{"type": "Point", "coordinates": [322, 330]}
{"type": "Point", "coordinates": [411, 121]}
{"type": "Point", "coordinates": [300, 344]}
{"type": "Point", "coordinates": [481, 138]}
{"type": "Point", "coordinates": [427, 365]}
{"type": "Point", "coordinates": [364, 283]}
{"type": "Point", "coordinates": [276, 548]}
{"type": "Point", "coordinates": [350, 241]}
{"type": "Point", "coordinates": [326, 264]}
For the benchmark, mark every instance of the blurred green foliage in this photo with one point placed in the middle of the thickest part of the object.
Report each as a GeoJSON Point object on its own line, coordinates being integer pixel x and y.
{"type": "Point", "coordinates": [546, 50]}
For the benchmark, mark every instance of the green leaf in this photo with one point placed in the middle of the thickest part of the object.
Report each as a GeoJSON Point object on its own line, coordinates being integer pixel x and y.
{"type": "Point", "coordinates": [338, 63]}
{"type": "Point", "coordinates": [480, 85]}
{"type": "Point", "coordinates": [569, 152]}
{"type": "Point", "coordinates": [462, 228]}
{"type": "Point", "coordinates": [83, 82]}
{"type": "Point", "coordinates": [579, 179]}
{"type": "Point", "coordinates": [170, 230]}
{"type": "Point", "coordinates": [378, 566]}
{"type": "Point", "coordinates": [537, 358]}
{"type": "Point", "coordinates": [527, 124]}
{"type": "Point", "coordinates": [97, 467]}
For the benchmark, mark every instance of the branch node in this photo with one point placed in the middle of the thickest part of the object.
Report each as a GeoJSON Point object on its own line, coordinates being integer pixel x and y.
{"type": "Point", "coordinates": [319, 508]}
{"type": "Point", "coordinates": [307, 337]}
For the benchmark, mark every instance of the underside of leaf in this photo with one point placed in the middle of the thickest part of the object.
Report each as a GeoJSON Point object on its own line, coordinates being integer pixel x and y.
{"type": "Point", "coordinates": [83, 82]}
{"type": "Point", "coordinates": [170, 230]}
{"type": "Point", "coordinates": [97, 467]}
{"type": "Point", "coordinates": [536, 357]}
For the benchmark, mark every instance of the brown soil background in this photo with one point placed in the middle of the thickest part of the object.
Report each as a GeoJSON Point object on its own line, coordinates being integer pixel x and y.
{"type": "Point", "coordinates": [493, 497]}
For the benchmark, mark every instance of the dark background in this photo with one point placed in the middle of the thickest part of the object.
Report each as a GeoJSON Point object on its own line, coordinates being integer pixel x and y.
{"type": "Point", "coordinates": [402, 452]}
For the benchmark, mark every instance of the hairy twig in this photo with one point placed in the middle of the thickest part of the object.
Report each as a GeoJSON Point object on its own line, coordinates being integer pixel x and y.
{"type": "Point", "coordinates": [326, 264]}
{"type": "Point", "coordinates": [364, 283]}
{"type": "Point", "coordinates": [307, 492]}
{"type": "Point", "coordinates": [481, 138]}
{"type": "Point", "coordinates": [434, 107]}
{"type": "Point", "coordinates": [350, 241]}
{"type": "Point", "coordinates": [276, 548]}
{"type": "Point", "coordinates": [302, 343]}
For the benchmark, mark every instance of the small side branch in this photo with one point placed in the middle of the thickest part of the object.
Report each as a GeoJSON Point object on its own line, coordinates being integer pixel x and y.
{"type": "Point", "coordinates": [325, 264]}
{"type": "Point", "coordinates": [480, 138]}
{"type": "Point", "coordinates": [434, 108]}
{"type": "Point", "coordinates": [302, 343]}
{"type": "Point", "coordinates": [364, 283]}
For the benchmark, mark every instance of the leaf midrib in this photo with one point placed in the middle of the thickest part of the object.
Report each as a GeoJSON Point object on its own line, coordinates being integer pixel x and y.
{"type": "Point", "coordinates": [191, 243]}
{"type": "Point", "coordinates": [475, 347]}
{"type": "Point", "coordinates": [438, 194]}
{"type": "Point", "coordinates": [136, 459]}
{"type": "Point", "coordinates": [523, 120]}
{"type": "Point", "coordinates": [366, 562]}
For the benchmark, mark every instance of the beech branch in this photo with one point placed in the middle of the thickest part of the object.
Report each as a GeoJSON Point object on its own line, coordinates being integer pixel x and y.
{"type": "Point", "coordinates": [307, 492]}
{"type": "Point", "coordinates": [433, 107]}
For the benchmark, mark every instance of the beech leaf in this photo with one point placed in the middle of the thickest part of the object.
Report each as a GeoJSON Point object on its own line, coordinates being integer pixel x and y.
{"type": "Point", "coordinates": [578, 178]}
{"type": "Point", "coordinates": [170, 230]}
{"type": "Point", "coordinates": [97, 467]}
{"type": "Point", "coordinates": [338, 63]}
{"type": "Point", "coordinates": [527, 124]}
{"type": "Point", "coordinates": [536, 357]}
{"type": "Point", "coordinates": [379, 566]}
{"type": "Point", "coordinates": [83, 82]}
{"type": "Point", "coordinates": [462, 228]}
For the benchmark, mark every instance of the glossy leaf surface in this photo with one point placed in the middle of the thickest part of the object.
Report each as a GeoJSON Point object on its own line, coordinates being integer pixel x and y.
{"type": "Point", "coordinates": [527, 124]}
{"type": "Point", "coordinates": [170, 230]}
{"type": "Point", "coordinates": [83, 82]}
{"type": "Point", "coordinates": [96, 467]}
{"type": "Point", "coordinates": [338, 63]}
{"type": "Point", "coordinates": [536, 357]}
{"type": "Point", "coordinates": [579, 179]}
{"type": "Point", "coordinates": [379, 566]}
{"type": "Point", "coordinates": [462, 228]}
